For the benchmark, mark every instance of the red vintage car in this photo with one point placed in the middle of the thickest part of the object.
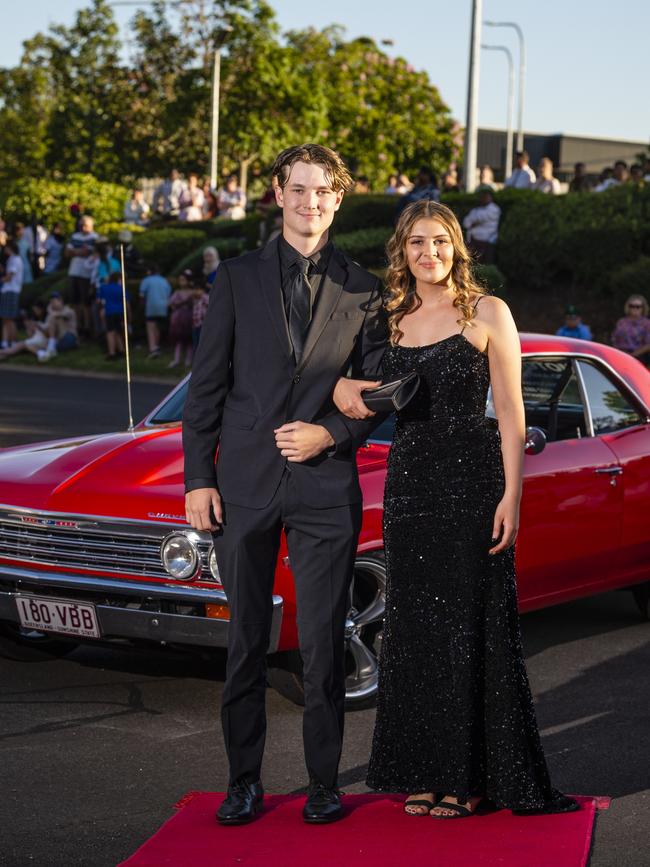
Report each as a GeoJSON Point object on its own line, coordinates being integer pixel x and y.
{"type": "Point", "coordinates": [94, 546]}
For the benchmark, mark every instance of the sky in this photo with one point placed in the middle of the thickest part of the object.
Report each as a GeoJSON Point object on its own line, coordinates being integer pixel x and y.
{"type": "Point", "coordinates": [587, 61]}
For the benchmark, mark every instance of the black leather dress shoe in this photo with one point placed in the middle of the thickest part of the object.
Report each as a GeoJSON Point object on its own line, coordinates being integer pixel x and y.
{"type": "Point", "coordinates": [241, 804]}
{"type": "Point", "coordinates": [323, 804]}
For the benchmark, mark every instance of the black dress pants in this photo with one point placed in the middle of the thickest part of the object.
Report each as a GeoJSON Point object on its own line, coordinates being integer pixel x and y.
{"type": "Point", "coordinates": [322, 546]}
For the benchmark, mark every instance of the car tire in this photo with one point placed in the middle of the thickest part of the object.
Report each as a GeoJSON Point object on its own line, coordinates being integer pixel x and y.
{"type": "Point", "coordinates": [31, 646]}
{"type": "Point", "coordinates": [641, 594]}
{"type": "Point", "coordinates": [363, 634]}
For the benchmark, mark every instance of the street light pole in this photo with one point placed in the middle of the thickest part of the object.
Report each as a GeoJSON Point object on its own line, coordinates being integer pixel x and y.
{"type": "Point", "coordinates": [511, 98]}
{"type": "Point", "coordinates": [522, 76]}
{"type": "Point", "coordinates": [214, 130]}
{"type": "Point", "coordinates": [220, 37]}
{"type": "Point", "coordinates": [471, 127]}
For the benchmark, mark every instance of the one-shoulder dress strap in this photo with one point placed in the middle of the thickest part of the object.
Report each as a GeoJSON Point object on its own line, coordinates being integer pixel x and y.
{"type": "Point", "coordinates": [474, 306]}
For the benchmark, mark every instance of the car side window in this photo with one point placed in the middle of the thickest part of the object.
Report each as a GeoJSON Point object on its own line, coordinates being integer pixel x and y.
{"type": "Point", "coordinates": [552, 398]}
{"type": "Point", "coordinates": [610, 409]}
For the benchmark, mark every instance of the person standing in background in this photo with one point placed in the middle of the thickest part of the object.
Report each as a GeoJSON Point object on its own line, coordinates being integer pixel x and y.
{"type": "Point", "coordinates": [156, 292]}
{"type": "Point", "coordinates": [573, 325]}
{"type": "Point", "coordinates": [579, 182]}
{"type": "Point", "coordinates": [546, 183]}
{"type": "Point", "coordinates": [231, 200]}
{"type": "Point", "coordinates": [482, 226]}
{"type": "Point", "coordinates": [632, 331]}
{"type": "Point", "coordinates": [79, 251]}
{"type": "Point", "coordinates": [181, 305]}
{"type": "Point", "coordinates": [191, 200]}
{"type": "Point", "coordinates": [211, 262]}
{"type": "Point", "coordinates": [54, 249]}
{"type": "Point", "coordinates": [523, 177]}
{"type": "Point", "coordinates": [12, 283]}
{"type": "Point", "coordinates": [136, 210]}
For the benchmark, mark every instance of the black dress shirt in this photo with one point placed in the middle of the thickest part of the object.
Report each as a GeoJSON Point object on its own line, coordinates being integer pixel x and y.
{"type": "Point", "coordinates": [290, 261]}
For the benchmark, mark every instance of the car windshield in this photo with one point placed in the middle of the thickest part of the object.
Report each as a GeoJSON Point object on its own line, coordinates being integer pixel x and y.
{"type": "Point", "coordinates": [171, 412]}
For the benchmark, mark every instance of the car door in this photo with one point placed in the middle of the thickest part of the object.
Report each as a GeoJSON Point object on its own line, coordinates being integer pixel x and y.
{"type": "Point", "coordinates": [620, 420]}
{"type": "Point", "coordinates": [572, 499]}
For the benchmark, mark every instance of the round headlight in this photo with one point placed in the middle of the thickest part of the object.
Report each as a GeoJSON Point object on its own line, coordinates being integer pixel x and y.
{"type": "Point", "coordinates": [179, 556]}
{"type": "Point", "coordinates": [212, 563]}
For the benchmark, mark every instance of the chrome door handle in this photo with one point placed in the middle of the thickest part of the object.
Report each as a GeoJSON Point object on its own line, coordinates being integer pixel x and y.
{"type": "Point", "coordinates": [609, 471]}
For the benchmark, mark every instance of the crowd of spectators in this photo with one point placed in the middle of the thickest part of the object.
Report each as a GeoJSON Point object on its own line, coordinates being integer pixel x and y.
{"type": "Point", "coordinates": [188, 200]}
{"type": "Point", "coordinates": [92, 306]}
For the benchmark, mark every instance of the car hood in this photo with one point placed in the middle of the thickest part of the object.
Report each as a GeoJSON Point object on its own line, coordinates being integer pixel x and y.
{"type": "Point", "coordinates": [135, 474]}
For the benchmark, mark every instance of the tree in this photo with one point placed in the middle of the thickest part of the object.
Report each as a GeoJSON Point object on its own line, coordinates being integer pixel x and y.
{"type": "Point", "coordinates": [383, 116]}
{"type": "Point", "coordinates": [73, 105]}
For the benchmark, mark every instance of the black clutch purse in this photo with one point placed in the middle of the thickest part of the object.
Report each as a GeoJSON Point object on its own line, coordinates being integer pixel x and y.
{"type": "Point", "coordinates": [391, 396]}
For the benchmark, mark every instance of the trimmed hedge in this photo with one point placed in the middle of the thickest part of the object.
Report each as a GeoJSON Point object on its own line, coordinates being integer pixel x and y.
{"type": "Point", "coordinates": [49, 201]}
{"type": "Point", "coordinates": [582, 239]}
{"type": "Point", "coordinates": [366, 246]}
{"type": "Point", "coordinates": [247, 229]}
{"type": "Point", "coordinates": [631, 279]}
{"type": "Point", "coordinates": [489, 276]}
{"type": "Point", "coordinates": [360, 211]}
{"type": "Point", "coordinates": [166, 247]}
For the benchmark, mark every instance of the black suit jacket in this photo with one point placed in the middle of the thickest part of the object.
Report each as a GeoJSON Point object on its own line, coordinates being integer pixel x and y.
{"type": "Point", "coordinates": [245, 382]}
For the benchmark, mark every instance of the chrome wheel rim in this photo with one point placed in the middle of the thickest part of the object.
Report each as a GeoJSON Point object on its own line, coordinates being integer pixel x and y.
{"type": "Point", "coordinates": [363, 628]}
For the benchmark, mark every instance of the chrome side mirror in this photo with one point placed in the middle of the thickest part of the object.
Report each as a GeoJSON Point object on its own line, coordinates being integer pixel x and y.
{"type": "Point", "coordinates": [535, 441]}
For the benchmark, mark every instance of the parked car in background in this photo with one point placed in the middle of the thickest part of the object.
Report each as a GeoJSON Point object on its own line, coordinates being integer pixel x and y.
{"type": "Point", "coordinates": [94, 546]}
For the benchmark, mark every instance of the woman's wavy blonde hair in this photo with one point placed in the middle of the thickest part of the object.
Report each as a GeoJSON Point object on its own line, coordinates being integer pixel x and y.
{"type": "Point", "coordinates": [401, 294]}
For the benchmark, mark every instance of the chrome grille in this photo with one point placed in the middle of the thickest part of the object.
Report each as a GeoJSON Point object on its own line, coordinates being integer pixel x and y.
{"type": "Point", "coordinates": [101, 544]}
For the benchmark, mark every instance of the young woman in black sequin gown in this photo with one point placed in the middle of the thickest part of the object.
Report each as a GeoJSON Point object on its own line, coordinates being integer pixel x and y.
{"type": "Point", "coordinates": [455, 717]}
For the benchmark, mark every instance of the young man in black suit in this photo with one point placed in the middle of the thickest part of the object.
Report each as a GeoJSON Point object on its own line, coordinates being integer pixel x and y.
{"type": "Point", "coordinates": [284, 323]}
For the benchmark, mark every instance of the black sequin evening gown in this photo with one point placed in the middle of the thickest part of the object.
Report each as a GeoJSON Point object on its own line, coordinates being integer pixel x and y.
{"type": "Point", "coordinates": [455, 712]}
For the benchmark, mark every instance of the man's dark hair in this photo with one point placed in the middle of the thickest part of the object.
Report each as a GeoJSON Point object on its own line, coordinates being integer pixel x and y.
{"type": "Point", "coordinates": [13, 246]}
{"type": "Point", "coordinates": [115, 277]}
{"type": "Point", "coordinates": [336, 172]}
{"type": "Point", "coordinates": [620, 163]}
{"type": "Point", "coordinates": [522, 155]}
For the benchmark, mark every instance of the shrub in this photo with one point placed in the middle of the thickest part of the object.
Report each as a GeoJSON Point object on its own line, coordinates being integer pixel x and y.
{"type": "Point", "coordinates": [580, 238]}
{"type": "Point", "coordinates": [167, 246]}
{"type": "Point", "coordinates": [112, 229]}
{"type": "Point", "coordinates": [489, 277]}
{"type": "Point", "coordinates": [462, 203]}
{"type": "Point", "coordinates": [49, 201]}
{"type": "Point", "coordinates": [366, 246]}
{"type": "Point", "coordinates": [361, 211]}
{"type": "Point", "coordinates": [227, 248]}
{"type": "Point", "coordinates": [631, 279]}
{"type": "Point", "coordinates": [247, 229]}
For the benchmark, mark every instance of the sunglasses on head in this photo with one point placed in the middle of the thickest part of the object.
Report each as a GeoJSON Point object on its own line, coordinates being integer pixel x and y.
{"type": "Point", "coordinates": [638, 306]}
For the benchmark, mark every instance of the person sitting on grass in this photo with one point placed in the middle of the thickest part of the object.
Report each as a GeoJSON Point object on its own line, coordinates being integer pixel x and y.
{"type": "Point", "coordinates": [112, 312]}
{"type": "Point", "coordinates": [35, 338]}
{"type": "Point", "coordinates": [60, 328]}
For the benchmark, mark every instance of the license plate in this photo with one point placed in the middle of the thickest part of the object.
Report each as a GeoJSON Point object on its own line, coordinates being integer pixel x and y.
{"type": "Point", "coordinates": [58, 615]}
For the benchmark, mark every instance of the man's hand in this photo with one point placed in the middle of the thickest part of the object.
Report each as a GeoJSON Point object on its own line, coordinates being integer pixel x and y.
{"type": "Point", "coordinates": [197, 509]}
{"type": "Point", "coordinates": [299, 441]}
{"type": "Point", "coordinates": [347, 396]}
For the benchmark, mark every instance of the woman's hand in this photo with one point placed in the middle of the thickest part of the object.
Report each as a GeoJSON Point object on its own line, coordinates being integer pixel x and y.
{"type": "Point", "coordinates": [347, 396]}
{"type": "Point", "coordinates": [506, 524]}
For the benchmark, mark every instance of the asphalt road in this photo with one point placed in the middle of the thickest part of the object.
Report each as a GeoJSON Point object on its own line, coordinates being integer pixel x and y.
{"type": "Point", "coordinates": [97, 747]}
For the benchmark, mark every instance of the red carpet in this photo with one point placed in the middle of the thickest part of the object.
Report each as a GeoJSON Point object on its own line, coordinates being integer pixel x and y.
{"type": "Point", "coordinates": [375, 832]}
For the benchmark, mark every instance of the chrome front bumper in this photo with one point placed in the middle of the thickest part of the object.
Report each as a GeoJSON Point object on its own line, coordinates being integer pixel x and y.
{"type": "Point", "coordinates": [131, 623]}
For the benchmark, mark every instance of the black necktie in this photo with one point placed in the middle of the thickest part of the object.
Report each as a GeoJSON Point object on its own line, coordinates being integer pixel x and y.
{"type": "Point", "coordinates": [300, 310]}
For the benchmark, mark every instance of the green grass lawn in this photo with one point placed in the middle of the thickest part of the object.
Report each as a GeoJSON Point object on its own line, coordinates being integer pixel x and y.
{"type": "Point", "coordinates": [91, 357]}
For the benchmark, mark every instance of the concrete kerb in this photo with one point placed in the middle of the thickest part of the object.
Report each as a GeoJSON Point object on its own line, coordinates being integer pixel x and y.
{"type": "Point", "coordinates": [87, 374]}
